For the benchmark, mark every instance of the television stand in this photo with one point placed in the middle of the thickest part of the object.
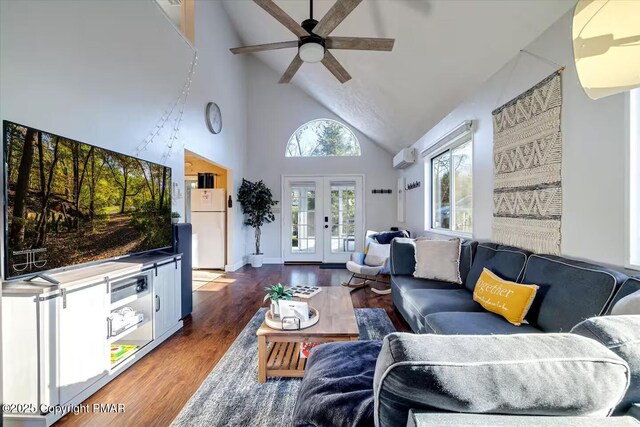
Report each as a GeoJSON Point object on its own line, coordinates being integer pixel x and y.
{"type": "Point", "coordinates": [62, 345]}
{"type": "Point", "coordinates": [44, 277]}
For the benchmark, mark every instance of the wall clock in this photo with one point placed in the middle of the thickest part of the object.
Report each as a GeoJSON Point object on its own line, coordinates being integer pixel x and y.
{"type": "Point", "coordinates": [214, 118]}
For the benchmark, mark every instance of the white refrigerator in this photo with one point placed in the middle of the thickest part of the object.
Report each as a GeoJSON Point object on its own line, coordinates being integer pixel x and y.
{"type": "Point", "coordinates": [208, 221]}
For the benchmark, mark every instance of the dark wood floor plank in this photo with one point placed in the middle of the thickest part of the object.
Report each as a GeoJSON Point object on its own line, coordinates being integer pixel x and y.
{"type": "Point", "coordinates": [155, 389]}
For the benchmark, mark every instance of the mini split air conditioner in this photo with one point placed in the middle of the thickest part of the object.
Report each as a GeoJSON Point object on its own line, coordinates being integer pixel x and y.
{"type": "Point", "coordinates": [404, 158]}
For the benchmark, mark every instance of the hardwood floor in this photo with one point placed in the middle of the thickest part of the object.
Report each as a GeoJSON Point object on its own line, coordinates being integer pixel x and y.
{"type": "Point", "coordinates": [155, 389]}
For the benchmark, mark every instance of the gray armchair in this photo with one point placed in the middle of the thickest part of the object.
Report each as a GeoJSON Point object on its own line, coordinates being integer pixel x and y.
{"type": "Point", "coordinates": [368, 273]}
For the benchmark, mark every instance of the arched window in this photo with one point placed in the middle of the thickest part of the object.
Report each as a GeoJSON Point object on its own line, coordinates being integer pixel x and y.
{"type": "Point", "coordinates": [322, 138]}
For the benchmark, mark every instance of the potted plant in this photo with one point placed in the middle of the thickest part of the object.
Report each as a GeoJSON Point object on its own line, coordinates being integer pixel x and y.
{"type": "Point", "coordinates": [175, 217]}
{"type": "Point", "coordinates": [276, 293]}
{"type": "Point", "coordinates": [256, 201]}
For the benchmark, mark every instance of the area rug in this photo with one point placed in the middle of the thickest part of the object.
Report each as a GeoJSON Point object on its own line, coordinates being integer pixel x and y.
{"type": "Point", "coordinates": [527, 155]}
{"type": "Point", "coordinates": [231, 394]}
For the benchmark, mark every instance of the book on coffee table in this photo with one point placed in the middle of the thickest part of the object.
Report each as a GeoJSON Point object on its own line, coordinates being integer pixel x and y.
{"type": "Point", "coordinates": [304, 291]}
{"type": "Point", "coordinates": [305, 349]}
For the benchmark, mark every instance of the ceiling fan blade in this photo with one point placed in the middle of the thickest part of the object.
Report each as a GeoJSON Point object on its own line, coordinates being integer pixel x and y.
{"type": "Point", "coordinates": [263, 47]}
{"type": "Point", "coordinates": [281, 16]}
{"type": "Point", "coordinates": [334, 66]}
{"type": "Point", "coordinates": [335, 16]}
{"type": "Point", "coordinates": [291, 70]}
{"type": "Point", "coordinates": [360, 43]}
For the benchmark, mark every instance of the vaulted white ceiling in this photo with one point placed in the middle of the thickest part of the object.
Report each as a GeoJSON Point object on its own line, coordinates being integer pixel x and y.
{"type": "Point", "coordinates": [445, 49]}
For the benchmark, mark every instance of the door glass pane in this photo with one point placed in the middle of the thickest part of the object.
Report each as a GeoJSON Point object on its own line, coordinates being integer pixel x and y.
{"type": "Point", "coordinates": [343, 216]}
{"type": "Point", "coordinates": [189, 184]}
{"type": "Point", "coordinates": [440, 168]}
{"type": "Point", "coordinates": [303, 214]}
{"type": "Point", "coordinates": [461, 161]}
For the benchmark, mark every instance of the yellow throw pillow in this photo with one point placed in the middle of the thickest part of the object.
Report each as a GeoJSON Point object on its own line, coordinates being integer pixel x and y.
{"type": "Point", "coordinates": [508, 299]}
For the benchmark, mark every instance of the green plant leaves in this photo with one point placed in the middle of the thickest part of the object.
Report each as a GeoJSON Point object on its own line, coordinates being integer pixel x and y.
{"type": "Point", "coordinates": [277, 292]}
{"type": "Point", "coordinates": [256, 201]}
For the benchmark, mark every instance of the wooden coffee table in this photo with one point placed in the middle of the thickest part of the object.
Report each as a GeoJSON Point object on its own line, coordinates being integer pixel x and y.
{"type": "Point", "coordinates": [279, 351]}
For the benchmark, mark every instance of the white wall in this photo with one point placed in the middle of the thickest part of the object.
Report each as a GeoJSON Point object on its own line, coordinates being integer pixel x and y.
{"type": "Point", "coordinates": [593, 152]}
{"type": "Point", "coordinates": [221, 78]}
{"type": "Point", "coordinates": [275, 112]}
{"type": "Point", "coordinates": [103, 72]}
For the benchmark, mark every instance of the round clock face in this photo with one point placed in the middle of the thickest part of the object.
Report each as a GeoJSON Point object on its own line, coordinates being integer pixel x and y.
{"type": "Point", "coordinates": [214, 118]}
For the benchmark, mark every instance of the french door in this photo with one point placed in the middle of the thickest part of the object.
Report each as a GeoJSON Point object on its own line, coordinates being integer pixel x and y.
{"type": "Point", "coordinates": [322, 218]}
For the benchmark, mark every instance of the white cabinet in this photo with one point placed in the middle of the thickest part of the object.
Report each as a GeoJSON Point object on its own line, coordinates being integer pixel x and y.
{"type": "Point", "coordinates": [167, 297]}
{"type": "Point", "coordinates": [55, 345]}
{"type": "Point", "coordinates": [29, 351]}
{"type": "Point", "coordinates": [83, 350]}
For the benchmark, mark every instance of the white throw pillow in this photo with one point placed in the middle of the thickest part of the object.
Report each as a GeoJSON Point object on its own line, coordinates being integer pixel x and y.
{"type": "Point", "coordinates": [377, 254]}
{"type": "Point", "coordinates": [627, 305]}
{"type": "Point", "coordinates": [438, 260]}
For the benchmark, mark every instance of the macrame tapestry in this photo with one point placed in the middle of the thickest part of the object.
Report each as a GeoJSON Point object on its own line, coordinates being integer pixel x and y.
{"type": "Point", "coordinates": [527, 156]}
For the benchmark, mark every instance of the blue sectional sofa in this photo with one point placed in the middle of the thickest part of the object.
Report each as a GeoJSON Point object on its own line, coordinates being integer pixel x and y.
{"type": "Point", "coordinates": [570, 291]}
{"type": "Point", "coordinates": [571, 364]}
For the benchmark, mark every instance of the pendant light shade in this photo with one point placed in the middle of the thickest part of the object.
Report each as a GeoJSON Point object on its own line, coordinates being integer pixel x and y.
{"type": "Point", "coordinates": [606, 46]}
{"type": "Point", "coordinates": [311, 52]}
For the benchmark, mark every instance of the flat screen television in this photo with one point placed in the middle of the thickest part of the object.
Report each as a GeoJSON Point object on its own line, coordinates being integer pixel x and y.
{"type": "Point", "coordinates": [68, 203]}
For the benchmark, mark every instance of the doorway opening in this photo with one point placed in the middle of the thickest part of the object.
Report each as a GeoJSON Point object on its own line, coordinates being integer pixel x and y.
{"type": "Point", "coordinates": [210, 217]}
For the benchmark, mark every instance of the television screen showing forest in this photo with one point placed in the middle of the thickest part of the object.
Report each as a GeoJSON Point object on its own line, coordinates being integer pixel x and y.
{"type": "Point", "coordinates": [69, 203]}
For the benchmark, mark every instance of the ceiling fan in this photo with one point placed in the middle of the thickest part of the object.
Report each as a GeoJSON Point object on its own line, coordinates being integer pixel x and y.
{"type": "Point", "coordinates": [313, 39]}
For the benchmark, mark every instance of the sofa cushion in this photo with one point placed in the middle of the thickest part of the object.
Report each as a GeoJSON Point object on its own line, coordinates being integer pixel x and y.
{"type": "Point", "coordinates": [505, 261]}
{"type": "Point", "coordinates": [570, 291]}
{"type": "Point", "coordinates": [401, 286]}
{"type": "Point", "coordinates": [427, 301]}
{"type": "Point", "coordinates": [467, 252]}
{"type": "Point", "coordinates": [627, 305]}
{"type": "Point", "coordinates": [631, 285]}
{"type": "Point", "coordinates": [473, 324]}
{"type": "Point", "coordinates": [403, 257]}
{"type": "Point", "coordinates": [408, 283]}
{"type": "Point", "coordinates": [510, 300]}
{"type": "Point", "coordinates": [438, 260]}
{"type": "Point", "coordinates": [445, 419]}
{"type": "Point", "coordinates": [620, 334]}
{"type": "Point", "coordinates": [408, 312]}
{"type": "Point", "coordinates": [523, 374]}
{"type": "Point", "coordinates": [634, 411]}
{"type": "Point", "coordinates": [337, 388]}
{"type": "Point", "coordinates": [377, 254]}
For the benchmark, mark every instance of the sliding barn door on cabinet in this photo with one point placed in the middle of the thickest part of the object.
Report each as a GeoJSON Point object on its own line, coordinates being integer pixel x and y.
{"type": "Point", "coordinates": [83, 348]}
{"type": "Point", "coordinates": [167, 297]}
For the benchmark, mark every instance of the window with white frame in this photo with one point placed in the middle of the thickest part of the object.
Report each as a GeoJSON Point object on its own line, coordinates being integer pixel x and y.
{"type": "Point", "coordinates": [450, 172]}
{"type": "Point", "coordinates": [633, 188]}
{"type": "Point", "coordinates": [322, 138]}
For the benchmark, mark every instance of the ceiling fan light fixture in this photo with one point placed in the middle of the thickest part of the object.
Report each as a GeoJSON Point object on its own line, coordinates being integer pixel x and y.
{"type": "Point", "coordinates": [311, 51]}
{"type": "Point", "coordinates": [313, 38]}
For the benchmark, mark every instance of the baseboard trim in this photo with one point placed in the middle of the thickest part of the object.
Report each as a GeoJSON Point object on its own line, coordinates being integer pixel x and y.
{"type": "Point", "coordinates": [245, 260]}
{"type": "Point", "coordinates": [236, 266]}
